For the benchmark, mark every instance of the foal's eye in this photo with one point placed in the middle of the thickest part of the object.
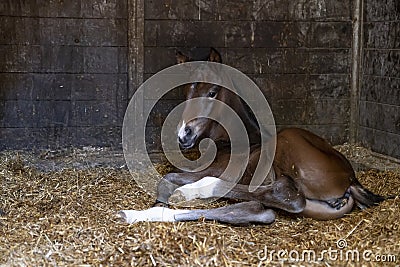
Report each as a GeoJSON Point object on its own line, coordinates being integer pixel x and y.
{"type": "Point", "coordinates": [211, 94]}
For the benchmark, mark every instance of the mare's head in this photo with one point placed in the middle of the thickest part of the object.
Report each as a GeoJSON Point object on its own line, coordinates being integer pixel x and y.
{"type": "Point", "coordinates": [190, 131]}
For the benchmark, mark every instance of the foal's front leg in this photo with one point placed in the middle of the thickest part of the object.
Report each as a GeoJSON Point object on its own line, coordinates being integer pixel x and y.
{"type": "Point", "coordinates": [239, 214]}
{"type": "Point", "coordinates": [171, 181]}
{"type": "Point", "coordinates": [282, 193]}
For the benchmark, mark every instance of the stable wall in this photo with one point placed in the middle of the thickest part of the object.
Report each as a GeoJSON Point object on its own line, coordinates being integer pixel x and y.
{"type": "Point", "coordinates": [379, 126]}
{"type": "Point", "coordinates": [298, 52]}
{"type": "Point", "coordinates": [68, 69]}
{"type": "Point", "coordinates": [63, 73]}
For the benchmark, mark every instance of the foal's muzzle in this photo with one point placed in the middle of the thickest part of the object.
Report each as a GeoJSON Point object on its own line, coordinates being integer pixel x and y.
{"type": "Point", "coordinates": [187, 138]}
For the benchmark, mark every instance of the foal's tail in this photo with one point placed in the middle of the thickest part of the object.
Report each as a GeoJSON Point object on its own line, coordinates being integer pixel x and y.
{"type": "Point", "coordinates": [365, 198]}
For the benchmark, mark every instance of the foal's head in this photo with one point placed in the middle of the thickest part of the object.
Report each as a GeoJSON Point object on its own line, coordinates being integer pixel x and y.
{"type": "Point", "coordinates": [192, 130]}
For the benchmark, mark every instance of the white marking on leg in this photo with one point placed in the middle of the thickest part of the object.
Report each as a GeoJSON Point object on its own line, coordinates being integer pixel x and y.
{"type": "Point", "coordinates": [155, 214]}
{"type": "Point", "coordinates": [203, 188]}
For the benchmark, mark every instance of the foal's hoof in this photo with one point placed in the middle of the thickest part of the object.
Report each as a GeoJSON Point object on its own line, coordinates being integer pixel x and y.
{"type": "Point", "coordinates": [177, 198]}
{"type": "Point", "coordinates": [340, 202]}
{"type": "Point", "coordinates": [160, 204]}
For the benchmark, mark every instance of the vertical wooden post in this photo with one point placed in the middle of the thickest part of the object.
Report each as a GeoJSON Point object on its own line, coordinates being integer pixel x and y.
{"type": "Point", "coordinates": [136, 61]}
{"type": "Point", "coordinates": [135, 44]}
{"type": "Point", "coordinates": [356, 70]}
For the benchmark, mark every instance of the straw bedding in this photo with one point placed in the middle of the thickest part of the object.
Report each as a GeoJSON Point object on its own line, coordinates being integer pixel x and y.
{"type": "Point", "coordinates": [67, 217]}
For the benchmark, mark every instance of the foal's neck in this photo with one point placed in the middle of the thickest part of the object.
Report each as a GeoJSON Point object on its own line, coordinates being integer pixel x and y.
{"type": "Point", "coordinates": [251, 125]}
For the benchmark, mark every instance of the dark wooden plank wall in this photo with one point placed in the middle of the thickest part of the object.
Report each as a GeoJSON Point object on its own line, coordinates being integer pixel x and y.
{"type": "Point", "coordinates": [64, 70]}
{"type": "Point", "coordinates": [380, 89]}
{"type": "Point", "coordinates": [298, 52]}
{"type": "Point", "coordinates": [63, 73]}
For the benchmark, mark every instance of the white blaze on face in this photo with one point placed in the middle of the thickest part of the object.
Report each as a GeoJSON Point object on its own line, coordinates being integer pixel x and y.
{"type": "Point", "coordinates": [181, 131]}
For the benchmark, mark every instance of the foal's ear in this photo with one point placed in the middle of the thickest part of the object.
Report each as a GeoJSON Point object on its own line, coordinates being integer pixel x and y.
{"type": "Point", "coordinates": [181, 58]}
{"type": "Point", "coordinates": [214, 56]}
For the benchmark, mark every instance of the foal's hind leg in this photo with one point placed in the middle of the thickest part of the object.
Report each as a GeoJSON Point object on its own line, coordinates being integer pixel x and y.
{"type": "Point", "coordinates": [240, 213]}
{"type": "Point", "coordinates": [328, 210]}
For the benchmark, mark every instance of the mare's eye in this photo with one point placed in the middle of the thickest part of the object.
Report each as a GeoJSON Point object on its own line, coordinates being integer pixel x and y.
{"type": "Point", "coordinates": [211, 94]}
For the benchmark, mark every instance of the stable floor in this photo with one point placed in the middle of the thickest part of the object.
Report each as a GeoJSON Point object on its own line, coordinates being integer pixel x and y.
{"type": "Point", "coordinates": [61, 210]}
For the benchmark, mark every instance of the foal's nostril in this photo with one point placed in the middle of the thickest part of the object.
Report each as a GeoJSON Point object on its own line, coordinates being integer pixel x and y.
{"type": "Point", "coordinates": [188, 131]}
{"type": "Point", "coordinates": [185, 136]}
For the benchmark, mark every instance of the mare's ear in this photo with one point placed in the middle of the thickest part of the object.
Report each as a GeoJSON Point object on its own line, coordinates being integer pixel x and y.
{"type": "Point", "coordinates": [214, 56]}
{"type": "Point", "coordinates": [181, 58]}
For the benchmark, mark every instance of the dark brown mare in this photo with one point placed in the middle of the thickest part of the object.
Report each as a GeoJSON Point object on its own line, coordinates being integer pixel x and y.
{"type": "Point", "coordinates": [309, 177]}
